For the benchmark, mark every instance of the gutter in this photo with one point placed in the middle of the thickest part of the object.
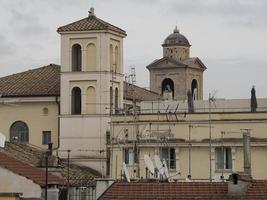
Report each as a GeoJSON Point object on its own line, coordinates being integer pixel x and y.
{"type": "Point", "coordinates": [58, 122]}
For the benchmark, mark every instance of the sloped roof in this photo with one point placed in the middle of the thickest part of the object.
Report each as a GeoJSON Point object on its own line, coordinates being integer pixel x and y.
{"type": "Point", "coordinates": [24, 169]}
{"type": "Point", "coordinates": [134, 92]}
{"type": "Point", "coordinates": [90, 23]}
{"type": "Point", "coordinates": [44, 81]}
{"type": "Point", "coordinates": [181, 190]}
{"type": "Point", "coordinates": [79, 175]}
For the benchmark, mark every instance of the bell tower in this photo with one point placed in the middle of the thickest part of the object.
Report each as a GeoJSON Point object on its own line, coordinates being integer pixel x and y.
{"type": "Point", "coordinates": [91, 87]}
{"type": "Point", "coordinates": [176, 72]}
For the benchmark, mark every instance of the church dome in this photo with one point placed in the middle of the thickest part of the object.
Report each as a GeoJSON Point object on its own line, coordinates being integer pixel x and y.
{"type": "Point", "coordinates": [176, 38]}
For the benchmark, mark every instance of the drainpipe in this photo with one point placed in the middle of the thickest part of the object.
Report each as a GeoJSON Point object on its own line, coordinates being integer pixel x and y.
{"type": "Point", "coordinates": [247, 151]}
{"type": "Point", "coordinates": [58, 122]}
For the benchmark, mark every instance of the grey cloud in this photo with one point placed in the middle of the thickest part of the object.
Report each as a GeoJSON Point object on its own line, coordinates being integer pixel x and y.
{"type": "Point", "coordinates": [6, 47]}
{"type": "Point", "coordinates": [26, 24]}
{"type": "Point", "coordinates": [244, 73]}
{"type": "Point", "coordinates": [234, 12]}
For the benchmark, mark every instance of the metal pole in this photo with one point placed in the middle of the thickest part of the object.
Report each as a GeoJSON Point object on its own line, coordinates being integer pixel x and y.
{"type": "Point", "coordinates": [210, 135]}
{"type": "Point", "coordinates": [68, 166]}
{"type": "Point", "coordinates": [189, 148]}
{"type": "Point", "coordinates": [222, 132]}
{"type": "Point", "coordinates": [68, 172]}
{"type": "Point", "coordinates": [46, 174]}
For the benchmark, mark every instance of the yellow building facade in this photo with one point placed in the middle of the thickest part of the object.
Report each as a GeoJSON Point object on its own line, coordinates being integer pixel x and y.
{"type": "Point", "coordinates": [183, 141]}
{"type": "Point", "coordinates": [36, 116]}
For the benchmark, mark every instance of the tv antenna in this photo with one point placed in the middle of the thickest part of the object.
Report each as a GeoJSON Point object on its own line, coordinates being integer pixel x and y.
{"type": "Point", "coordinates": [211, 100]}
{"type": "Point", "coordinates": [149, 164]}
{"type": "Point", "coordinates": [126, 172]}
{"type": "Point", "coordinates": [2, 140]}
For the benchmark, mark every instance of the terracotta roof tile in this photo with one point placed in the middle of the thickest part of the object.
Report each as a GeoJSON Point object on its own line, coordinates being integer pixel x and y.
{"type": "Point", "coordinates": [181, 190]}
{"type": "Point", "coordinates": [44, 81]}
{"type": "Point", "coordinates": [134, 92]}
{"type": "Point", "coordinates": [24, 169]}
{"type": "Point", "coordinates": [79, 175]}
{"type": "Point", "coordinates": [90, 23]}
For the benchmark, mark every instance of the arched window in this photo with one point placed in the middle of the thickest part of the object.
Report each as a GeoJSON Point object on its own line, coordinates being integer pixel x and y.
{"type": "Point", "coordinates": [116, 67]}
{"type": "Point", "coordinates": [90, 100]}
{"type": "Point", "coordinates": [111, 57]}
{"type": "Point", "coordinates": [76, 101]}
{"type": "Point", "coordinates": [111, 99]}
{"type": "Point", "coordinates": [19, 132]}
{"type": "Point", "coordinates": [76, 58]}
{"type": "Point", "coordinates": [116, 100]}
{"type": "Point", "coordinates": [194, 89]}
{"type": "Point", "coordinates": [167, 86]}
{"type": "Point", "coordinates": [91, 57]}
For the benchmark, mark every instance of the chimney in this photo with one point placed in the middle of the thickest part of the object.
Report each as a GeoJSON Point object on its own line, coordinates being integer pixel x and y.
{"type": "Point", "coordinates": [102, 184]}
{"type": "Point", "coordinates": [238, 184]}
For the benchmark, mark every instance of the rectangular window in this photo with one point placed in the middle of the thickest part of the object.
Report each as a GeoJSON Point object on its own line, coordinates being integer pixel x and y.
{"type": "Point", "coordinates": [130, 156]}
{"type": "Point", "coordinates": [223, 158]}
{"type": "Point", "coordinates": [168, 153]}
{"type": "Point", "coordinates": [46, 137]}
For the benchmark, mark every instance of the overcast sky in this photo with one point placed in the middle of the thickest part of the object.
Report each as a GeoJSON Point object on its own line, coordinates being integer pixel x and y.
{"type": "Point", "coordinates": [229, 36]}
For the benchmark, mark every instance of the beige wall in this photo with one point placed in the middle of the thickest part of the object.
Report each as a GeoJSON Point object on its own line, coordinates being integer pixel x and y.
{"type": "Point", "coordinates": [181, 76]}
{"type": "Point", "coordinates": [85, 134]}
{"type": "Point", "coordinates": [30, 111]}
{"type": "Point", "coordinates": [231, 123]}
{"type": "Point", "coordinates": [178, 76]}
{"type": "Point", "coordinates": [14, 183]}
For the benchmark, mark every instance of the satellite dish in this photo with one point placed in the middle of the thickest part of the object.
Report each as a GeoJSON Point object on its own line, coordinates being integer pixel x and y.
{"type": "Point", "coordinates": [165, 168]}
{"type": "Point", "coordinates": [149, 164]}
{"type": "Point", "coordinates": [2, 140]}
{"type": "Point", "coordinates": [159, 164]}
{"type": "Point", "coordinates": [126, 172]}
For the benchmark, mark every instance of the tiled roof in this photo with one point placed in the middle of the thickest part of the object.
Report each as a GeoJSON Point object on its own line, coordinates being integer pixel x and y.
{"type": "Point", "coordinates": [134, 92]}
{"type": "Point", "coordinates": [79, 175]}
{"type": "Point", "coordinates": [24, 169]}
{"type": "Point", "coordinates": [192, 190]}
{"type": "Point", "coordinates": [90, 23]}
{"type": "Point", "coordinates": [44, 81]}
